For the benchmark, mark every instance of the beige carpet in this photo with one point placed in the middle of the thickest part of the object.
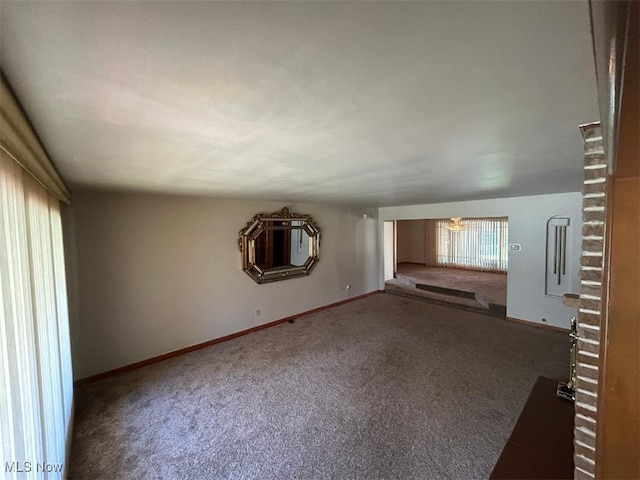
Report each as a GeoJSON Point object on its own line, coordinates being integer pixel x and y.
{"type": "Point", "coordinates": [491, 287]}
{"type": "Point", "coordinates": [385, 387]}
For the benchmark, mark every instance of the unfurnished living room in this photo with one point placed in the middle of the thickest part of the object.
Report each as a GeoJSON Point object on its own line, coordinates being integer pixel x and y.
{"type": "Point", "coordinates": [319, 240]}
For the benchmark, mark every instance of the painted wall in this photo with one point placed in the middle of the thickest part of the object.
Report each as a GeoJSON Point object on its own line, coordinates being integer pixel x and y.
{"type": "Point", "coordinates": [299, 246]}
{"type": "Point", "coordinates": [156, 273]}
{"type": "Point", "coordinates": [527, 226]}
{"type": "Point", "coordinates": [412, 241]}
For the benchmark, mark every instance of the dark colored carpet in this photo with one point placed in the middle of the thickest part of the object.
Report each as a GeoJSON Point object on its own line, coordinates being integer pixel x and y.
{"type": "Point", "coordinates": [384, 387]}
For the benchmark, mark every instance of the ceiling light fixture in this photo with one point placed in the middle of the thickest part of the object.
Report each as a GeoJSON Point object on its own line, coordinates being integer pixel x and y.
{"type": "Point", "coordinates": [454, 225]}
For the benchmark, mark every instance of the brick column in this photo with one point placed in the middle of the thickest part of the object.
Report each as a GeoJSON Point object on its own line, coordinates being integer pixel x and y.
{"type": "Point", "coordinates": [590, 311]}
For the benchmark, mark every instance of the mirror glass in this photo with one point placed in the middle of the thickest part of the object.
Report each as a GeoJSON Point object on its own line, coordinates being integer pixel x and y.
{"type": "Point", "coordinates": [279, 245]}
{"type": "Point", "coordinates": [282, 244]}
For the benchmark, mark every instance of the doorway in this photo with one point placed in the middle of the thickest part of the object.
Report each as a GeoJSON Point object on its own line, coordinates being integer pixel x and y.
{"type": "Point", "coordinates": [465, 268]}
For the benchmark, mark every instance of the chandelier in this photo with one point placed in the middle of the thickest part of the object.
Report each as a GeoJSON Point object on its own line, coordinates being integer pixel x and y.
{"type": "Point", "coordinates": [454, 225]}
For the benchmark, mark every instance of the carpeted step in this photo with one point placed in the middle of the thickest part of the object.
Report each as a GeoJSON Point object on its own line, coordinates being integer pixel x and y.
{"type": "Point", "coordinates": [407, 287]}
{"type": "Point", "coordinates": [405, 280]}
{"type": "Point", "coordinates": [446, 291]}
{"type": "Point", "coordinates": [398, 288]}
{"type": "Point", "coordinates": [496, 310]}
{"type": "Point", "coordinates": [488, 287]}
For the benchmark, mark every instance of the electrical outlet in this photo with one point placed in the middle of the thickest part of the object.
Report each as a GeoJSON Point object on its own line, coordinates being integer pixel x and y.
{"type": "Point", "coordinates": [257, 312]}
{"type": "Point", "coordinates": [347, 287]}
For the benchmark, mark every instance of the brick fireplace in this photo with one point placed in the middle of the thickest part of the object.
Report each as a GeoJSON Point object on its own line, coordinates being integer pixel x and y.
{"type": "Point", "coordinates": [592, 281]}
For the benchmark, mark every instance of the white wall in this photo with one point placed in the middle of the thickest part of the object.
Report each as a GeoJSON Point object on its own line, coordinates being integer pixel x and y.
{"type": "Point", "coordinates": [527, 225]}
{"type": "Point", "coordinates": [389, 256]}
{"type": "Point", "coordinates": [299, 246]}
{"type": "Point", "coordinates": [412, 241]}
{"type": "Point", "coordinates": [156, 273]}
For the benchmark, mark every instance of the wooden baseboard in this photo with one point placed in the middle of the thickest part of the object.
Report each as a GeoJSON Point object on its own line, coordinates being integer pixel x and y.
{"type": "Point", "coordinates": [182, 351]}
{"type": "Point", "coordinates": [537, 325]}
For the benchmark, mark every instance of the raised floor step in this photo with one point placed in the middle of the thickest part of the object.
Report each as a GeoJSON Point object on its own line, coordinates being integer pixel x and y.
{"type": "Point", "coordinates": [443, 296]}
{"type": "Point", "coordinates": [446, 291]}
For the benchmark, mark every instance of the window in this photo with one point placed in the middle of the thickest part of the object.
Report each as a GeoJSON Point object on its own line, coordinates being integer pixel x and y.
{"type": "Point", "coordinates": [36, 381]}
{"type": "Point", "coordinates": [481, 246]}
{"type": "Point", "coordinates": [35, 359]}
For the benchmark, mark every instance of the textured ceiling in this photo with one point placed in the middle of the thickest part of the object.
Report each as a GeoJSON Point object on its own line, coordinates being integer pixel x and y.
{"type": "Point", "coordinates": [383, 103]}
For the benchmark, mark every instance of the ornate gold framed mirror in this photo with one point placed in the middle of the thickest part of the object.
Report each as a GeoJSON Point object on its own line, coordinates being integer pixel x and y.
{"type": "Point", "coordinates": [279, 246]}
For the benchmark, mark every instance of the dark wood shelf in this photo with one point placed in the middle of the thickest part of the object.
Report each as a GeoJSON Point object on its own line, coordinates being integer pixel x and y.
{"type": "Point", "coordinates": [541, 444]}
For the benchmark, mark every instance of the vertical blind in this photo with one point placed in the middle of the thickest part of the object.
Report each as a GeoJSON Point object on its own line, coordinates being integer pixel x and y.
{"type": "Point", "coordinates": [35, 359]}
{"type": "Point", "coordinates": [481, 246]}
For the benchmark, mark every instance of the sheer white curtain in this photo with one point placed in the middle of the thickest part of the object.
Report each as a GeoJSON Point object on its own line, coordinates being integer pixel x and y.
{"type": "Point", "coordinates": [35, 358]}
{"type": "Point", "coordinates": [481, 246]}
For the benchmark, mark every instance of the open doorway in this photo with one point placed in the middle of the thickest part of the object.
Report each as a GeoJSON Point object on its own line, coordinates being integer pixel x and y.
{"type": "Point", "coordinates": [465, 266]}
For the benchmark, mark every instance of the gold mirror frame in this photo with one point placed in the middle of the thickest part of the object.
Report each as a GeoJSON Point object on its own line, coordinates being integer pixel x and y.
{"type": "Point", "coordinates": [284, 219]}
